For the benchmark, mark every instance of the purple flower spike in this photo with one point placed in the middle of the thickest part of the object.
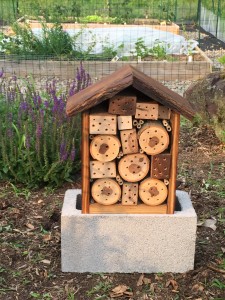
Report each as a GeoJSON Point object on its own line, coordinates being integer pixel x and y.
{"type": "Point", "coordinates": [1, 73]}
{"type": "Point", "coordinates": [72, 154]}
{"type": "Point", "coordinates": [63, 152]}
{"type": "Point", "coordinates": [38, 131]}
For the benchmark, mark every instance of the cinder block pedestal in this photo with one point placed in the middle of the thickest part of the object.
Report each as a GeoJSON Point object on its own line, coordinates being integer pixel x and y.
{"type": "Point", "coordinates": [128, 243]}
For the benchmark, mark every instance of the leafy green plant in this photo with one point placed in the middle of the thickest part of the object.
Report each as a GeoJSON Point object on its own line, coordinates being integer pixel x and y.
{"type": "Point", "coordinates": [50, 42]}
{"type": "Point", "coordinates": [218, 284]}
{"type": "Point", "coordinates": [101, 287]}
{"type": "Point", "coordinates": [222, 60]}
{"type": "Point", "coordinates": [141, 49]}
{"type": "Point", "coordinates": [158, 50]}
{"type": "Point", "coordinates": [38, 142]}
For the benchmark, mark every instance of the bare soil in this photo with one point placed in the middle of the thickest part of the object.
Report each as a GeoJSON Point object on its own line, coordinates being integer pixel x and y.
{"type": "Point", "coordinates": [30, 238]}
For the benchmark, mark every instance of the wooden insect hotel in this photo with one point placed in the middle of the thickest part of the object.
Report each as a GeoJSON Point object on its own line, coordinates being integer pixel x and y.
{"type": "Point", "coordinates": [130, 135]}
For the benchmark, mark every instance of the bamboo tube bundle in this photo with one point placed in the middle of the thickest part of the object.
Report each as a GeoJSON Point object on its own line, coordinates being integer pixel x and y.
{"type": "Point", "coordinates": [133, 167]}
{"type": "Point", "coordinates": [119, 180]}
{"type": "Point", "coordinates": [106, 191]}
{"type": "Point", "coordinates": [120, 154]}
{"type": "Point", "coordinates": [153, 138]}
{"type": "Point", "coordinates": [153, 191]}
{"type": "Point", "coordinates": [139, 126]}
{"type": "Point", "coordinates": [135, 122]}
{"type": "Point", "coordinates": [168, 128]}
{"type": "Point", "coordinates": [166, 181]}
{"type": "Point", "coordinates": [165, 123]}
{"type": "Point", "coordinates": [105, 147]}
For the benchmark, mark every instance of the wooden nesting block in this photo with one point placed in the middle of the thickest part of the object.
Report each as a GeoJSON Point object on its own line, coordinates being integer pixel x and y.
{"type": "Point", "coordinates": [102, 123]}
{"type": "Point", "coordinates": [160, 166]}
{"type": "Point", "coordinates": [129, 141]}
{"type": "Point", "coordinates": [133, 167]}
{"type": "Point", "coordinates": [105, 147]}
{"type": "Point", "coordinates": [106, 191]}
{"type": "Point", "coordinates": [153, 138]}
{"type": "Point", "coordinates": [147, 111]}
{"type": "Point", "coordinates": [164, 112]}
{"type": "Point", "coordinates": [130, 194]}
{"type": "Point", "coordinates": [100, 169]}
{"type": "Point", "coordinates": [152, 191]}
{"type": "Point", "coordinates": [123, 105]}
{"type": "Point", "coordinates": [124, 122]}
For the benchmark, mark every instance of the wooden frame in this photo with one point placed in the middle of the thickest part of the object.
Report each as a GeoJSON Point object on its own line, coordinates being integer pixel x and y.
{"type": "Point", "coordinates": [175, 123]}
{"type": "Point", "coordinates": [85, 159]}
{"type": "Point", "coordinates": [96, 208]}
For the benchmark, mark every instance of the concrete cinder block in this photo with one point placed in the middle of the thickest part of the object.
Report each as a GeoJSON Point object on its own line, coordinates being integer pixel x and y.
{"type": "Point", "coordinates": [128, 243]}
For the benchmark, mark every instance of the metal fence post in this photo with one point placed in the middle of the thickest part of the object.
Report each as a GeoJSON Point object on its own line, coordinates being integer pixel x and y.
{"type": "Point", "coordinates": [199, 19]}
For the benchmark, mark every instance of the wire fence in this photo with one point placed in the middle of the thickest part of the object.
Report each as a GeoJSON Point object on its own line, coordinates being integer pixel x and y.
{"type": "Point", "coordinates": [49, 38]}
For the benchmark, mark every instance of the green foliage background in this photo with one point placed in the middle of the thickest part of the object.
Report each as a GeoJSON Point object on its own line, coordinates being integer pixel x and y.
{"type": "Point", "coordinates": [122, 9]}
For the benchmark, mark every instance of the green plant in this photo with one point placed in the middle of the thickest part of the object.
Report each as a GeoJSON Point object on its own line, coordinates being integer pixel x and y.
{"type": "Point", "coordinates": [218, 284]}
{"type": "Point", "coordinates": [24, 192]}
{"type": "Point", "coordinates": [101, 287]}
{"type": "Point", "coordinates": [38, 142]}
{"type": "Point", "coordinates": [222, 60]}
{"type": "Point", "coordinates": [159, 50]}
{"type": "Point", "coordinates": [50, 42]}
{"type": "Point", "coordinates": [141, 49]}
{"type": "Point", "coordinates": [70, 296]}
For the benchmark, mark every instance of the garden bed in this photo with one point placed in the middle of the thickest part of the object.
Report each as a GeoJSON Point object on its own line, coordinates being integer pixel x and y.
{"type": "Point", "coordinates": [160, 70]}
{"type": "Point", "coordinates": [154, 24]}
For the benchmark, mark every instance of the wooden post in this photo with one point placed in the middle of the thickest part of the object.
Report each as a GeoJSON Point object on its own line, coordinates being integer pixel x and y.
{"type": "Point", "coordinates": [175, 122]}
{"type": "Point", "coordinates": [85, 163]}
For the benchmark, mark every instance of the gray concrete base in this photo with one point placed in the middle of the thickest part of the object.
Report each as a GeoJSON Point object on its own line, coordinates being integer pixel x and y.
{"type": "Point", "coordinates": [128, 242]}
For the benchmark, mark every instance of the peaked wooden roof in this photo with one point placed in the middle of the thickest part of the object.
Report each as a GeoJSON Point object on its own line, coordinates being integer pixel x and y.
{"type": "Point", "coordinates": [117, 82]}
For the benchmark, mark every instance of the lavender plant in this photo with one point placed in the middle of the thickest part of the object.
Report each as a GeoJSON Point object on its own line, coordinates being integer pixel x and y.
{"type": "Point", "coordinates": [39, 144]}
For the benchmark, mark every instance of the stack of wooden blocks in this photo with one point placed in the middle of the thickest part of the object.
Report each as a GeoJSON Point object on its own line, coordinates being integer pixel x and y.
{"type": "Point", "coordinates": [130, 155]}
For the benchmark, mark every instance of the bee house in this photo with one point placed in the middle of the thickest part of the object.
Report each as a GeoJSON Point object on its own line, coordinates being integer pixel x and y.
{"type": "Point", "coordinates": [130, 135]}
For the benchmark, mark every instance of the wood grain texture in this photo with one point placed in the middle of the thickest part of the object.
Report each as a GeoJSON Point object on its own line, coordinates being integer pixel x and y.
{"type": "Point", "coordinates": [85, 163]}
{"type": "Point", "coordinates": [106, 191]}
{"type": "Point", "coordinates": [96, 208]}
{"type": "Point", "coordinates": [130, 193]}
{"type": "Point", "coordinates": [120, 80]}
{"type": "Point", "coordinates": [175, 123]}
{"type": "Point", "coordinates": [129, 141]}
{"type": "Point", "coordinates": [102, 123]}
{"type": "Point", "coordinates": [153, 191]}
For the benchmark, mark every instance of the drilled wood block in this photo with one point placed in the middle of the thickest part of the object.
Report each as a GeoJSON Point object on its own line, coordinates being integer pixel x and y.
{"type": "Point", "coordinates": [164, 112]}
{"type": "Point", "coordinates": [153, 191]}
{"type": "Point", "coordinates": [160, 166]}
{"type": "Point", "coordinates": [100, 169]}
{"type": "Point", "coordinates": [153, 138]}
{"type": "Point", "coordinates": [106, 191]}
{"type": "Point", "coordinates": [129, 141]}
{"type": "Point", "coordinates": [105, 147]}
{"type": "Point", "coordinates": [147, 111]}
{"type": "Point", "coordinates": [124, 122]}
{"type": "Point", "coordinates": [133, 167]}
{"type": "Point", "coordinates": [122, 105]}
{"type": "Point", "coordinates": [102, 123]}
{"type": "Point", "coordinates": [130, 194]}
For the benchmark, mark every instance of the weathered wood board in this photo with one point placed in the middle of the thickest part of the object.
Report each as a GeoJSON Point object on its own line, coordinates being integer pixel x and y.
{"type": "Point", "coordinates": [122, 105]}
